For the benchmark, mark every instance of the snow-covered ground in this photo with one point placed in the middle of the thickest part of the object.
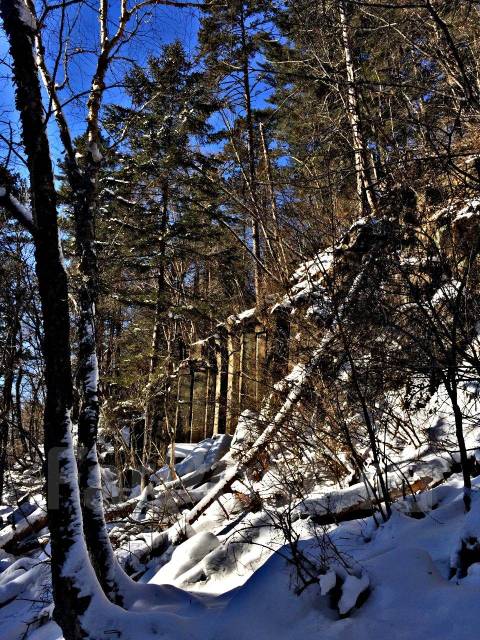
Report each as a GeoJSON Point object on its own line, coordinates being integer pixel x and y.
{"type": "Point", "coordinates": [234, 576]}
{"type": "Point", "coordinates": [263, 562]}
{"type": "Point", "coordinates": [406, 563]}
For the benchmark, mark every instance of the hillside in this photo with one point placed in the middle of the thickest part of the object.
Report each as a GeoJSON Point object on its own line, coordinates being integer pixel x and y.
{"type": "Point", "coordinates": [283, 542]}
{"type": "Point", "coordinates": [239, 319]}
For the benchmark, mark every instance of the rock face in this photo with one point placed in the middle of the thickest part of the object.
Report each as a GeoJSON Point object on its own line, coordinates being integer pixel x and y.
{"type": "Point", "coordinates": [232, 371]}
{"type": "Point", "coordinates": [226, 374]}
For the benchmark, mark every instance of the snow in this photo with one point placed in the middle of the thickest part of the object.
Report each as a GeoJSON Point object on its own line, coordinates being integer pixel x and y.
{"type": "Point", "coordinates": [183, 449]}
{"type": "Point", "coordinates": [94, 150]}
{"type": "Point", "coordinates": [232, 585]}
{"type": "Point", "coordinates": [61, 254]}
{"type": "Point", "coordinates": [126, 434]}
{"type": "Point", "coordinates": [197, 457]}
{"type": "Point", "coordinates": [352, 589]}
{"type": "Point", "coordinates": [320, 264]}
{"type": "Point", "coordinates": [109, 484]}
{"type": "Point", "coordinates": [246, 432]}
{"type": "Point", "coordinates": [186, 556]}
{"type": "Point", "coordinates": [327, 582]}
{"type": "Point", "coordinates": [248, 314]}
{"type": "Point", "coordinates": [7, 533]}
{"type": "Point", "coordinates": [447, 292]}
{"type": "Point", "coordinates": [470, 210]}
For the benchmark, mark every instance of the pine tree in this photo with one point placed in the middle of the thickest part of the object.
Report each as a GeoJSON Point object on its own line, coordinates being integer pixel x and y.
{"type": "Point", "coordinates": [230, 45]}
{"type": "Point", "coordinates": [166, 126]}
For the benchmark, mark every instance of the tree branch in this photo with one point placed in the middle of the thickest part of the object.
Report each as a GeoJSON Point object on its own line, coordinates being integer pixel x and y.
{"type": "Point", "coordinates": [17, 210]}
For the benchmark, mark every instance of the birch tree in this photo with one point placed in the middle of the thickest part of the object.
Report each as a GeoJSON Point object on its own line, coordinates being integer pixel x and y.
{"type": "Point", "coordinates": [71, 569]}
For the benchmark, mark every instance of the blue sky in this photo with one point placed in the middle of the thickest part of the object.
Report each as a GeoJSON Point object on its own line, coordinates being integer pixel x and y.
{"type": "Point", "coordinates": [165, 25]}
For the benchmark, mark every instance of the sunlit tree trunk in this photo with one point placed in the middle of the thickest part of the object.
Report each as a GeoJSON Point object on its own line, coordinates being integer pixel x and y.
{"type": "Point", "coordinates": [365, 188]}
{"type": "Point", "coordinates": [252, 171]}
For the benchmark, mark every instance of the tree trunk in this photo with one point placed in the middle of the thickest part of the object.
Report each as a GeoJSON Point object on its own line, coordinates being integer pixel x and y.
{"type": "Point", "coordinates": [365, 190]}
{"type": "Point", "coordinates": [371, 435]}
{"type": "Point", "coordinates": [73, 580]}
{"type": "Point", "coordinates": [6, 427]}
{"type": "Point", "coordinates": [83, 185]}
{"type": "Point", "coordinates": [151, 402]}
{"type": "Point", "coordinates": [279, 252]}
{"type": "Point", "coordinates": [451, 386]}
{"type": "Point", "coordinates": [3, 454]}
{"type": "Point", "coordinates": [256, 242]}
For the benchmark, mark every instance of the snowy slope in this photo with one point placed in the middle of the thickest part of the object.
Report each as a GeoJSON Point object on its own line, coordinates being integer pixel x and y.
{"type": "Point", "coordinates": [407, 561]}
{"type": "Point", "coordinates": [232, 577]}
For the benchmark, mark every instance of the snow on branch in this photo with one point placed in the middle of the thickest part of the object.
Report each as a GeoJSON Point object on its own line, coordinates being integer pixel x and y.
{"type": "Point", "coordinates": [22, 214]}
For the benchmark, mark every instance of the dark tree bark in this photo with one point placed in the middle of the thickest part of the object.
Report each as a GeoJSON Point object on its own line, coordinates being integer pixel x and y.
{"type": "Point", "coordinates": [152, 415]}
{"type": "Point", "coordinates": [3, 454]}
{"type": "Point", "coordinates": [450, 382]}
{"type": "Point", "coordinates": [82, 180]}
{"type": "Point", "coordinates": [83, 184]}
{"type": "Point", "coordinates": [256, 241]}
{"type": "Point", "coordinates": [6, 419]}
{"type": "Point", "coordinates": [72, 573]}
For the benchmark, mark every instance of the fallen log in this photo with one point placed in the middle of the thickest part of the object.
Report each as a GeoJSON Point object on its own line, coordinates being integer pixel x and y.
{"type": "Point", "coordinates": [364, 508]}
{"type": "Point", "coordinates": [14, 534]}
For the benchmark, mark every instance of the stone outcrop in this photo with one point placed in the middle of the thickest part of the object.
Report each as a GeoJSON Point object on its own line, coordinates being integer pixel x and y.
{"type": "Point", "coordinates": [228, 373]}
